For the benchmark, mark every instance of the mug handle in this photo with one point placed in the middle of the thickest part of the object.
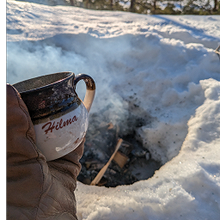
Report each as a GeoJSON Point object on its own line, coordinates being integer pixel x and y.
{"type": "Point", "coordinates": [90, 89]}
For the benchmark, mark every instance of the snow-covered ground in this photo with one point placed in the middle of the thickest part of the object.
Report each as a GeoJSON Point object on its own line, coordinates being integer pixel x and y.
{"type": "Point", "coordinates": [164, 66]}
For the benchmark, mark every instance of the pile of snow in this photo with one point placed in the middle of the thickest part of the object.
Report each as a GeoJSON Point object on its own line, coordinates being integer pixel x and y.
{"type": "Point", "coordinates": [187, 187]}
{"type": "Point", "coordinates": [164, 66]}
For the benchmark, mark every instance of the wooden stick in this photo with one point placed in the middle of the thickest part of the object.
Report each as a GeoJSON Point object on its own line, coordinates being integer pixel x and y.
{"type": "Point", "coordinates": [217, 50]}
{"type": "Point", "coordinates": [102, 171]}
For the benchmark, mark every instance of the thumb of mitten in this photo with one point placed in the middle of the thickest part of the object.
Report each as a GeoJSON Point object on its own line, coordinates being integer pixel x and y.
{"type": "Point", "coordinates": [24, 163]}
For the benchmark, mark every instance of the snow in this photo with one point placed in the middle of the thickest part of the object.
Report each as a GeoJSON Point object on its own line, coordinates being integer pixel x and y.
{"type": "Point", "coordinates": [163, 65]}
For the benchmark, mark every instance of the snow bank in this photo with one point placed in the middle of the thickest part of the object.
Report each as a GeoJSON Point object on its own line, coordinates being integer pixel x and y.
{"type": "Point", "coordinates": [160, 68]}
{"type": "Point", "coordinates": [187, 187]}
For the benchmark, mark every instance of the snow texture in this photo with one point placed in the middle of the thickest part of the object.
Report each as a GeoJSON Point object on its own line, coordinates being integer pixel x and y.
{"type": "Point", "coordinates": [166, 67]}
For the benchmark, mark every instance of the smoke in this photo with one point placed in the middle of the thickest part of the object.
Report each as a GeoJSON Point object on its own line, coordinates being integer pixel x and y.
{"type": "Point", "coordinates": [140, 85]}
{"type": "Point", "coordinates": [27, 60]}
{"type": "Point", "coordinates": [76, 53]}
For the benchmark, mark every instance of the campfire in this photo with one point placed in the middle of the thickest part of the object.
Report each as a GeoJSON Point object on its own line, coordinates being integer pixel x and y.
{"type": "Point", "coordinates": [114, 157]}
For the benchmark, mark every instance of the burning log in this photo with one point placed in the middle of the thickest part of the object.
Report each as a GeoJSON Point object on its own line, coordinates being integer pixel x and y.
{"type": "Point", "coordinates": [102, 171]}
{"type": "Point", "coordinates": [128, 164]}
{"type": "Point", "coordinates": [121, 159]}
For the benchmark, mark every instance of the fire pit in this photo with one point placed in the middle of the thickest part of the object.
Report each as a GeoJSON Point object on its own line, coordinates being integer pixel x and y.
{"type": "Point", "coordinates": [132, 162]}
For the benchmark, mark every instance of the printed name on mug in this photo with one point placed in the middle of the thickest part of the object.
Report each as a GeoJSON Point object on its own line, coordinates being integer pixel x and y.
{"type": "Point", "coordinates": [59, 125]}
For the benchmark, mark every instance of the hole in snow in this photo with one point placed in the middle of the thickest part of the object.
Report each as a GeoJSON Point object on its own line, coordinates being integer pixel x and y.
{"type": "Point", "coordinates": [132, 163]}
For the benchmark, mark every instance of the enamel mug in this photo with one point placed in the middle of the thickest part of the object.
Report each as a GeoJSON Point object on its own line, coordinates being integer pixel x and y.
{"type": "Point", "coordinates": [59, 116]}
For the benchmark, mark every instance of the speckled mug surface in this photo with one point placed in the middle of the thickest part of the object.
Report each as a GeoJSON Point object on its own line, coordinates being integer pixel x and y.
{"type": "Point", "coordinates": [59, 116]}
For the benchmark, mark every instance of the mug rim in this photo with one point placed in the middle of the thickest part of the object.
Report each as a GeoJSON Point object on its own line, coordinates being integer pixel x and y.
{"type": "Point", "coordinates": [71, 74]}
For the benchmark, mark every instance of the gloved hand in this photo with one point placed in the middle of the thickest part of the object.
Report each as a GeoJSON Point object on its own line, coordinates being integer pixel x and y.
{"type": "Point", "coordinates": [36, 189]}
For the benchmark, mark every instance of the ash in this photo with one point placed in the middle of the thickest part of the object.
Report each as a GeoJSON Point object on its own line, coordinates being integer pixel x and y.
{"type": "Point", "coordinates": [133, 162]}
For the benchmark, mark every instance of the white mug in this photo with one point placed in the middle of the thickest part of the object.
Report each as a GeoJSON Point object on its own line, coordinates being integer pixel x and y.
{"type": "Point", "coordinates": [59, 116]}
